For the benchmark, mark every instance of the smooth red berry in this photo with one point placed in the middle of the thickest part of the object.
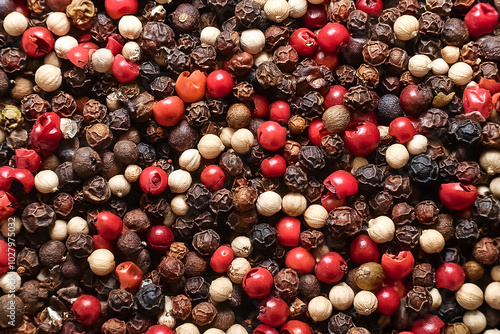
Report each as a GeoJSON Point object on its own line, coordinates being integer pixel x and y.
{"type": "Point", "coordinates": [388, 301]}
{"type": "Point", "coordinates": [457, 196]}
{"type": "Point", "coordinates": [46, 134]}
{"type": "Point", "coordinates": [317, 131]}
{"type": "Point", "coordinates": [335, 96]}
{"type": "Point", "coordinates": [331, 268]}
{"type": "Point", "coordinates": [87, 309]}
{"type": "Point", "coordinates": [363, 249]}
{"type": "Point", "coordinates": [221, 259]}
{"type": "Point", "coordinates": [333, 37]}
{"type": "Point", "coordinates": [124, 70]}
{"type": "Point", "coordinates": [159, 238]}
{"type": "Point", "coordinates": [428, 324]}
{"type": "Point", "coordinates": [399, 285]}
{"type": "Point", "coordinates": [213, 177]}
{"type": "Point", "coordinates": [28, 159]}
{"type": "Point", "coordinates": [330, 201]}
{"type": "Point", "coordinates": [273, 311]}
{"type": "Point", "coordinates": [153, 180]}
{"type": "Point", "coordinates": [7, 254]}
{"type": "Point", "coordinates": [169, 111]}
{"type": "Point", "coordinates": [330, 60]}
{"type": "Point", "coordinates": [79, 56]}
{"type": "Point", "coordinates": [370, 7]}
{"type": "Point", "coordinates": [300, 260]}
{"type": "Point", "coordinates": [478, 99]}
{"type": "Point", "coordinates": [361, 138]}
{"type": "Point", "coordinates": [288, 231]}
{"type": "Point", "coordinates": [481, 19]}
{"type": "Point", "coordinates": [115, 44]}
{"type": "Point", "coordinates": [273, 166]}
{"type": "Point", "coordinates": [315, 16]}
{"type": "Point", "coordinates": [24, 177]}
{"type": "Point", "coordinates": [295, 327]}
{"type": "Point", "coordinates": [304, 41]}
{"type": "Point", "coordinates": [5, 180]}
{"type": "Point", "coordinates": [402, 128]}
{"type": "Point", "coordinates": [279, 111]}
{"type": "Point", "coordinates": [8, 204]}
{"type": "Point", "coordinates": [357, 117]}
{"type": "Point", "coordinates": [415, 99]}
{"type": "Point", "coordinates": [220, 84]}
{"type": "Point", "coordinates": [450, 276]}
{"type": "Point", "coordinates": [129, 275]}
{"type": "Point", "coordinates": [117, 8]}
{"type": "Point", "coordinates": [103, 243]}
{"type": "Point", "coordinates": [108, 225]}
{"type": "Point", "coordinates": [341, 183]}
{"type": "Point", "coordinates": [257, 282]}
{"type": "Point", "coordinates": [37, 42]}
{"type": "Point", "coordinates": [260, 105]}
{"type": "Point", "coordinates": [271, 135]}
{"type": "Point", "coordinates": [265, 329]}
{"type": "Point", "coordinates": [159, 329]}
{"type": "Point", "coordinates": [398, 266]}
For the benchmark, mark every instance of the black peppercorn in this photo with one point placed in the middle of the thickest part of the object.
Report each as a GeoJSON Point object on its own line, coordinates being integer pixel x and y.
{"type": "Point", "coordinates": [263, 236]}
{"type": "Point", "coordinates": [423, 169]}
{"type": "Point", "coordinates": [196, 289]}
{"type": "Point", "coordinates": [149, 299]}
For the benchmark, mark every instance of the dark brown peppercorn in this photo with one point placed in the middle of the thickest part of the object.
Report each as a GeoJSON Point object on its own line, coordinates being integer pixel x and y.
{"type": "Point", "coordinates": [194, 264]}
{"type": "Point", "coordinates": [221, 201]}
{"type": "Point", "coordinates": [309, 286]}
{"type": "Point", "coordinates": [156, 35]}
{"type": "Point", "coordinates": [426, 212]}
{"type": "Point", "coordinates": [185, 18]}
{"type": "Point", "coordinates": [86, 162]}
{"type": "Point", "coordinates": [381, 202]}
{"type": "Point", "coordinates": [340, 10]}
{"type": "Point", "coordinates": [441, 7]}
{"type": "Point", "coordinates": [408, 7]}
{"type": "Point", "coordinates": [310, 239]}
{"type": "Point", "coordinates": [80, 245]}
{"type": "Point", "coordinates": [357, 22]}
{"type": "Point", "coordinates": [181, 307]}
{"type": "Point", "coordinates": [171, 269]}
{"type": "Point", "coordinates": [138, 324]}
{"type": "Point", "coordinates": [242, 222]}
{"type": "Point", "coordinates": [206, 242]}
{"type": "Point", "coordinates": [27, 262]}
{"type": "Point", "coordinates": [486, 251]}
{"type": "Point", "coordinates": [408, 236]}
{"type": "Point", "coordinates": [340, 323]}
{"type": "Point", "coordinates": [454, 32]}
{"type": "Point", "coordinates": [12, 60]}
{"type": "Point", "coordinates": [96, 190]}
{"type": "Point", "coordinates": [204, 313]}
{"type": "Point", "coordinates": [52, 253]}
{"type": "Point", "coordinates": [286, 283]}
{"type": "Point", "coordinates": [38, 217]}
{"type": "Point", "coordinates": [225, 318]}
{"type": "Point", "coordinates": [244, 198]}
{"type": "Point", "coordinates": [423, 275]}
{"type": "Point", "coordinates": [276, 36]}
{"type": "Point", "coordinates": [375, 53]}
{"type": "Point", "coordinates": [136, 220]}
{"type": "Point", "coordinates": [34, 296]}
{"type": "Point", "coordinates": [466, 230]}
{"type": "Point", "coordinates": [130, 245]}
{"type": "Point", "coordinates": [361, 99]}
{"type": "Point", "coordinates": [247, 13]}
{"type": "Point", "coordinates": [63, 204]}
{"type": "Point", "coordinates": [397, 61]}
{"type": "Point", "coordinates": [182, 136]}
{"type": "Point", "coordinates": [419, 300]}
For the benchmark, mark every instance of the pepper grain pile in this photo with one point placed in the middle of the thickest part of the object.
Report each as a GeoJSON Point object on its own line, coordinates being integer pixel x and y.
{"type": "Point", "coordinates": [266, 167]}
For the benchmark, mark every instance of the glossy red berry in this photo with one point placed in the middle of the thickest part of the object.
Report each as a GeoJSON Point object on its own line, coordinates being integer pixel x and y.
{"type": "Point", "coordinates": [288, 231]}
{"type": "Point", "coordinates": [335, 96]}
{"type": "Point", "coordinates": [7, 257]}
{"type": "Point", "coordinates": [399, 285]}
{"type": "Point", "coordinates": [304, 41]}
{"type": "Point", "coordinates": [331, 268]}
{"type": "Point", "coordinates": [115, 44]}
{"type": "Point", "coordinates": [333, 37]}
{"type": "Point", "coordinates": [265, 329]}
{"type": "Point", "coordinates": [8, 204]}
{"type": "Point", "coordinates": [117, 8]}
{"type": "Point", "coordinates": [414, 99]}
{"type": "Point", "coordinates": [315, 16]}
{"type": "Point", "coordinates": [330, 201]}
{"type": "Point", "coordinates": [24, 177]}
{"type": "Point", "coordinates": [159, 238]}
{"type": "Point", "coordinates": [46, 134]}
{"type": "Point", "coordinates": [316, 131]}
{"type": "Point", "coordinates": [37, 42]}
{"type": "Point", "coordinates": [102, 243]}
{"type": "Point", "coordinates": [273, 166]}
{"type": "Point", "coordinates": [257, 282]}
{"type": "Point", "coordinates": [300, 260]}
{"type": "Point", "coordinates": [330, 60]}
{"type": "Point", "coordinates": [273, 311]}
{"type": "Point", "coordinates": [388, 301]}
{"type": "Point", "coordinates": [428, 324]}
{"type": "Point", "coordinates": [361, 138]}
{"type": "Point", "coordinates": [219, 83]}
{"type": "Point", "coordinates": [450, 276]}
{"type": "Point", "coordinates": [129, 275]}
{"type": "Point", "coordinates": [87, 309]}
{"type": "Point", "coordinates": [341, 184]}
{"type": "Point", "coordinates": [478, 99]}
{"type": "Point", "coordinates": [124, 70]}
{"type": "Point", "coordinates": [5, 180]}
{"type": "Point", "coordinates": [457, 196]}
{"type": "Point", "coordinates": [363, 249]}
{"type": "Point", "coordinates": [481, 19]}
{"type": "Point", "coordinates": [153, 180]}
{"type": "Point", "coordinates": [370, 7]}
{"type": "Point", "coordinates": [271, 135]}
{"type": "Point", "coordinates": [402, 128]}
{"type": "Point", "coordinates": [169, 111]}
{"type": "Point", "coordinates": [398, 266]}
{"type": "Point", "coordinates": [279, 111]}
{"type": "Point", "coordinates": [108, 225]}
{"type": "Point", "coordinates": [28, 159]}
{"type": "Point", "coordinates": [221, 259]}
{"type": "Point", "coordinates": [295, 327]}
{"type": "Point", "coordinates": [159, 329]}
{"type": "Point", "coordinates": [79, 56]}
{"type": "Point", "coordinates": [260, 105]}
{"type": "Point", "coordinates": [213, 177]}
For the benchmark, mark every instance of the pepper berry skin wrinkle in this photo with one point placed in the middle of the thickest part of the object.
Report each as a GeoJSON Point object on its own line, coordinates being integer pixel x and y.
{"type": "Point", "coordinates": [481, 19]}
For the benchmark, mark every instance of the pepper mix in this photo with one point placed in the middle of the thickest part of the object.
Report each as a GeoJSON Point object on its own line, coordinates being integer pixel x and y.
{"type": "Point", "coordinates": [266, 167]}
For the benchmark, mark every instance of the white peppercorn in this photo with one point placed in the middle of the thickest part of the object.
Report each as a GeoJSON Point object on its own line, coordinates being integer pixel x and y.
{"type": "Point", "coordinates": [341, 296]}
{"type": "Point", "coordinates": [179, 181]}
{"type": "Point", "coordinates": [190, 160]}
{"type": "Point", "coordinates": [132, 173]}
{"type": "Point", "coordinates": [450, 54]}
{"type": "Point", "coordinates": [431, 241]}
{"type": "Point", "coordinates": [492, 295]}
{"type": "Point", "coordinates": [261, 57]}
{"type": "Point", "coordinates": [418, 144]}
{"type": "Point", "coordinates": [101, 262]}
{"type": "Point", "coordinates": [59, 231]}
{"type": "Point", "coordinates": [252, 41]}
{"type": "Point", "coordinates": [237, 269]}
{"type": "Point", "coordinates": [436, 299]}
{"type": "Point", "coordinates": [315, 216]}
{"type": "Point", "coordinates": [179, 205]}
{"type": "Point", "coordinates": [63, 45]}
{"type": "Point", "coordinates": [15, 24]}
{"type": "Point", "coordinates": [241, 246]}
{"type": "Point", "coordinates": [46, 181]}
{"type": "Point", "coordinates": [242, 141]}
{"type": "Point", "coordinates": [298, 8]}
{"type": "Point", "coordinates": [397, 156]}
{"type": "Point", "coordinates": [489, 160]}
{"type": "Point", "coordinates": [225, 136]}
{"type": "Point", "coordinates": [130, 27]}
{"type": "Point", "coordinates": [132, 52]}
{"type": "Point", "coordinates": [268, 203]}
{"type": "Point", "coordinates": [319, 308]}
{"type": "Point", "coordinates": [469, 296]}
{"type": "Point", "coordinates": [440, 66]}
{"type": "Point", "coordinates": [365, 302]}
{"type": "Point", "coordinates": [119, 185]}
{"type": "Point", "coordinates": [102, 60]}
{"type": "Point", "coordinates": [294, 204]}
{"type": "Point", "coordinates": [213, 331]}
{"type": "Point", "coordinates": [460, 73]}
{"type": "Point", "coordinates": [187, 328]}
{"type": "Point", "coordinates": [48, 77]}
{"type": "Point", "coordinates": [381, 229]}
{"type": "Point", "coordinates": [9, 224]}
{"type": "Point", "coordinates": [419, 65]}
{"type": "Point", "coordinates": [210, 146]}
{"type": "Point", "coordinates": [475, 321]}
{"type": "Point", "coordinates": [277, 10]}
{"type": "Point", "coordinates": [236, 329]}
{"type": "Point", "coordinates": [10, 282]}
{"type": "Point", "coordinates": [77, 225]}
{"type": "Point", "coordinates": [58, 23]}
{"type": "Point", "coordinates": [495, 273]}
{"type": "Point", "coordinates": [406, 27]}
{"type": "Point", "coordinates": [221, 289]}
{"type": "Point", "coordinates": [208, 35]}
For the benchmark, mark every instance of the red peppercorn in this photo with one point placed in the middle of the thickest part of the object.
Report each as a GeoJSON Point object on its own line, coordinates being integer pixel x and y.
{"type": "Point", "coordinates": [159, 329]}
{"type": "Point", "coordinates": [398, 266]}
{"type": "Point", "coordinates": [331, 268]}
{"type": "Point", "coordinates": [87, 309]}
{"type": "Point", "coordinates": [402, 128]}
{"type": "Point", "coordinates": [450, 276]}
{"type": "Point", "coordinates": [274, 166]}
{"type": "Point", "coordinates": [273, 311]}
{"type": "Point", "coordinates": [370, 7]}
{"type": "Point", "coordinates": [221, 259]}
{"type": "Point", "coordinates": [304, 41]}
{"type": "Point", "coordinates": [341, 184]}
{"type": "Point", "coordinates": [288, 231]}
{"type": "Point", "coordinates": [117, 8]}
{"type": "Point", "coordinates": [257, 282]}
{"type": "Point", "coordinates": [79, 56]}
{"type": "Point", "coordinates": [28, 159]}
{"type": "Point", "coordinates": [315, 16]}
{"type": "Point", "coordinates": [279, 111]}
{"type": "Point", "coordinates": [295, 327]}
{"type": "Point", "coordinates": [478, 99]}
{"type": "Point", "coordinates": [388, 301]}
{"type": "Point", "coordinates": [5, 180]}
{"type": "Point", "coordinates": [316, 131]}
{"type": "Point", "coordinates": [8, 204]}
{"type": "Point", "coordinates": [399, 285]}
{"type": "Point", "coordinates": [300, 260]}
{"type": "Point", "coordinates": [333, 37]}
{"type": "Point", "coordinates": [103, 243]}
{"type": "Point", "coordinates": [260, 105]}
{"type": "Point", "coordinates": [219, 83]}
{"type": "Point", "coordinates": [457, 196]}
{"type": "Point", "coordinates": [271, 135]}
{"type": "Point", "coordinates": [159, 238]}
{"type": "Point", "coordinates": [115, 44]}
{"type": "Point", "coordinates": [481, 19]}
{"type": "Point", "coordinates": [428, 324]}
{"type": "Point", "coordinates": [213, 177]}
{"type": "Point", "coordinates": [108, 225]}
{"type": "Point", "coordinates": [46, 134]}
{"type": "Point", "coordinates": [265, 329]}
{"type": "Point", "coordinates": [23, 176]}
{"type": "Point", "coordinates": [361, 138]}
{"type": "Point", "coordinates": [124, 70]}
{"type": "Point", "coordinates": [169, 111]}
{"type": "Point", "coordinates": [363, 249]}
{"type": "Point", "coordinates": [37, 42]}
{"type": "Point", "coordinates": [7, 254]}
{"type": "Point", "coordinates": [329, 201]}
{"type": "Point", "coordinates": [335, 96]}
{"type": "Point", "coordinates": [153, 180]}
{"type": "Point", "coordinates": [129, 275]}
{"type": "Point", "coordinates": [92, 47]}
{"type": "Point", "coordinates": [330, 60]}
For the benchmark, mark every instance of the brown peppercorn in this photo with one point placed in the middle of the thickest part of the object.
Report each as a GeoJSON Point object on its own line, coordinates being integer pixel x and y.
{"type": "Point", "coordinates": [454, 32]}
{"type": "Point", "coordinates": [204, 313]}
{"type": "Point", "coordinates": [178, 250]}
{"type": "Point", "coordinates": [426, 212]}
{"type": "Point", "coordinates": [182, 136]}
{"type": "Point", "coordinates": [240, 64]}
{"type": "Point", "coordinates": [114, 326]}
{"type": "Point", "coordinates": [136, 220]}
{"type": "Point", "coordinates": [206, 242]}
{"type": "Point", "coordinates": [52, 253]}
{"type": "Point", "coordinates": [375, 53]}
{"type": "Point", "coordinates": [80, 245]}
{"type": "Point", "coordinates": [419, 300]}
{"type": "Point", "coordinates": [311, 239]}
{"type": "Point", "coordinates": [361, 99]}
{"type": "Point", "coordinates": [244, 198]}
{"type": "Point", "coordinates": [37, 217]}
{"type": "Point", "coordinates": [309, 286]}
{"type": "Point", "coordinates": [27, 262]}
{"type": "Point", "coordinates": [99, 136]}
{"type": "Point", "coordinates": [369, 276]}
{"type": "Point", "coordinates": [96, 190]}
{"type": "Point", "coordinates": [185, 18]}
{"type": "Point", "coordinates": [286, 58]}
{"type": "Point", "coordinates": [171, 269]}
{"type": "Point", "coordinates": [423, 275]}
{"type": "Point", "coordinates": [238, 116]}
{"type": "Point", "coordinates": [86, 162]}
{"type": "Point", "coordinates": [486, 251]}
{"type": "Point", "coordinates": [403, 214]}
{"type": "Point", "coordinates": [138, 324]}
{"type": "Point", "coordinates": [444, 225]}
{"type": "Point", "coordinates": [181, 307]}
{"type": "Point", "coordinates": [11, 306]}
{"type": "Point", "coordinates": [368, 76]}
{"type": "Point", "coordinates": [408, 236]}
{"type": "Point", "coordinates": [194, 264]}
{"type": "Point", "coordinates": [474, 270]}
{"type": "Point", "coordinates": [126, 152]}
{"type": "Point", "coordinates": [286, 283]}
{"type": "Point", "coordinates": [130, 245]}
{"type": "Point", "coordinates": [344, 221]}
{"type": "Point", "coordinates": [340, 323]}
